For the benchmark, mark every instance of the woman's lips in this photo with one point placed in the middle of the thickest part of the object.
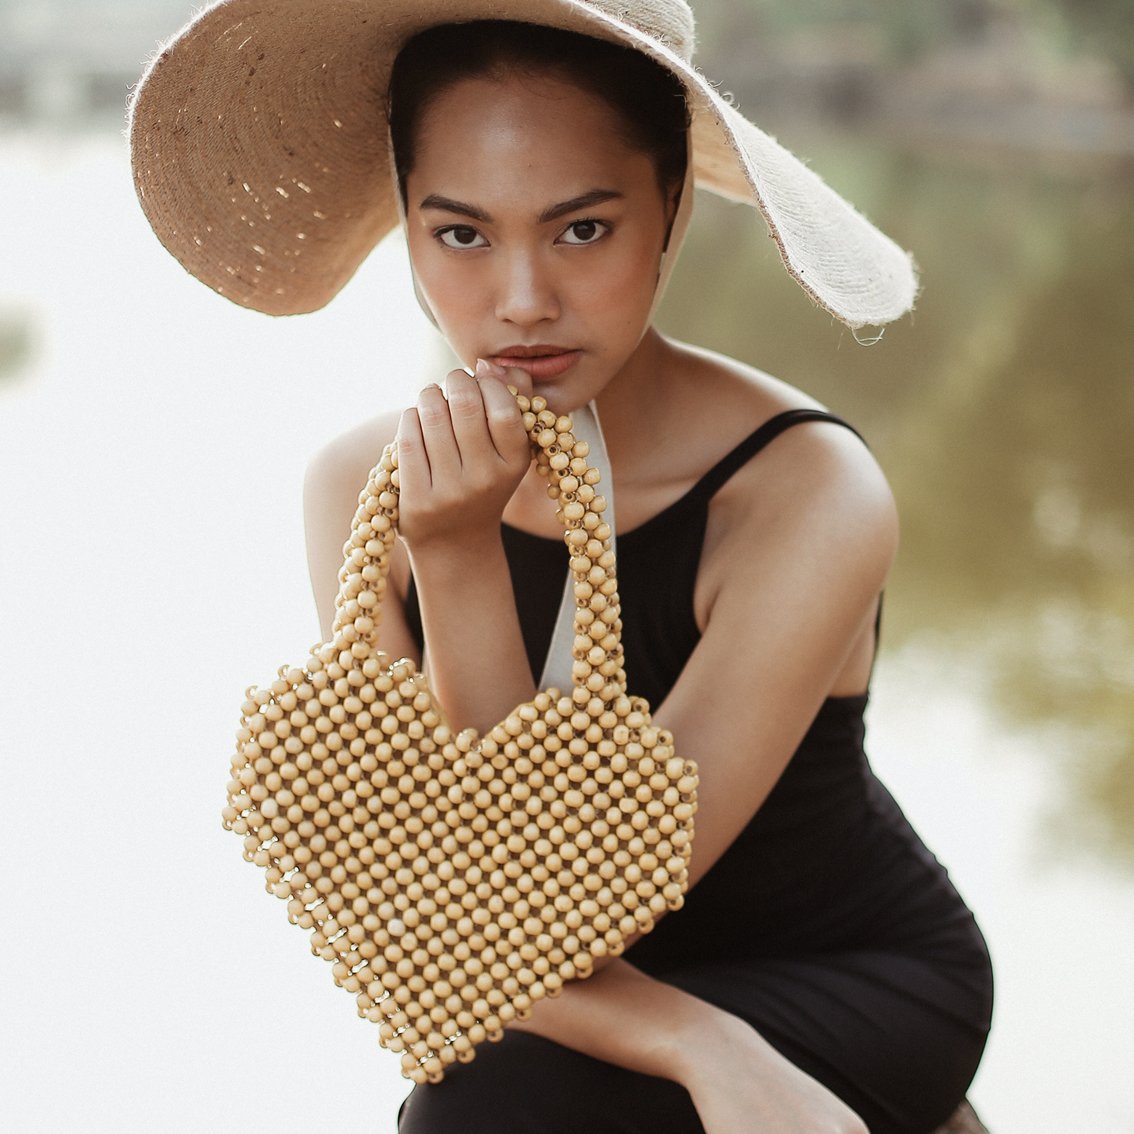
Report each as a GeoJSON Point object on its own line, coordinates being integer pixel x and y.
{"type": "Point", "coordinates": [542, 363]}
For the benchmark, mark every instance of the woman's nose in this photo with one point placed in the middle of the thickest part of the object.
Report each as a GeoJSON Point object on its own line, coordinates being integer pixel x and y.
{"type": "Point", "coordinates": [526, 292]}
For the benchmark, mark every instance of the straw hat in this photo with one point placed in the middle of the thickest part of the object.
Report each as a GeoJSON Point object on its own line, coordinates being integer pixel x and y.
{"type": "Point", "coordinates": [261, 156]}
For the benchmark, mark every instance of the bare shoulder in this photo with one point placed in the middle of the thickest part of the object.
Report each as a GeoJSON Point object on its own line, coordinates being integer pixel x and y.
{"type": "Point", "coordinates": [335, 476]}
{"type": "Point", "coordinates": [814, 493]}
{"type": "Point", "coordinates": [819, 488]}
{"type": "Point", "coordinates": [344, 462]}
{"type": "Point", "coordinates": [731, 399]}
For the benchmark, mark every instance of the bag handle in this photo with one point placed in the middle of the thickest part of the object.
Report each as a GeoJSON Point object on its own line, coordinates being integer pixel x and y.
{"type": "Point", "coordinates": [557, 663]}
{"type": "Point", "coordinates": [597, 658]}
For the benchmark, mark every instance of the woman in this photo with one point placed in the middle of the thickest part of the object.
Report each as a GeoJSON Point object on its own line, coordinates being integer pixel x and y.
{"type": "Point", "coordinates": [823, 974]}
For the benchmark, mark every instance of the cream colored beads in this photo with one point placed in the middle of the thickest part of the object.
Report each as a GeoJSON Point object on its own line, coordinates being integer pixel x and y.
{"type": "Point", "coordinates": [454, 880]}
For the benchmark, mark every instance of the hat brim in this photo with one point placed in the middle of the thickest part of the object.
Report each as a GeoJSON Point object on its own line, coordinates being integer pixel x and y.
{"type": "Point", "coordinates": [259, 147]}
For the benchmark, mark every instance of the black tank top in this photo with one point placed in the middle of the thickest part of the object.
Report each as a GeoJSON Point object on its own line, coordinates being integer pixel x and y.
{"type": "Point", "coordinates": [659, 626]}
{"type": "Point", "coordinates": [828, 861]}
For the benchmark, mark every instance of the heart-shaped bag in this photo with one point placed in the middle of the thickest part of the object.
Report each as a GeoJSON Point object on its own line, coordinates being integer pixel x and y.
{"type": "Point", "coordinates": [453, 879]}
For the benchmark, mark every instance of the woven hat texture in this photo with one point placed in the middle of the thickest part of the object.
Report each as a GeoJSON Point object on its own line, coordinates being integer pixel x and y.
{"type": "Point", "coordinates": [260, 149]}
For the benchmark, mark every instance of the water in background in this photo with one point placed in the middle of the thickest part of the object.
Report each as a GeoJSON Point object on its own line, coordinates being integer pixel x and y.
{"type": "Point", "coordinates": [1002, 411]}
{"type": "Point", "coordinates": [152, 444]}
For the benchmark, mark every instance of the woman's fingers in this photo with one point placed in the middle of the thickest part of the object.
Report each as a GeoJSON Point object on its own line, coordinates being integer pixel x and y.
{"type": "Point", "coordinates": [461, 455]}
{"type": "Point", "coordinates": [505, 422]}
{"type": "Point", "coordinates": [413, 460]}
{"type": "Point", "coordinates": [467, 414]}
{"type": "Point", "coordinates": [438, 434]}
{"type": "Point", "coordinates": [466, 437]}
{"type": "Point", "coordinates": [484, 418]}
{"type": "Point", "coordinates": [508, 375]}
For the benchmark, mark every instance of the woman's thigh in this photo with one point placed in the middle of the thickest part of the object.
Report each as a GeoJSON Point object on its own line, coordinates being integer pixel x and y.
{"type": "Point", "coordinates": [529, 1085]}
{"type": "Point", "coordinates": [897, 1038]}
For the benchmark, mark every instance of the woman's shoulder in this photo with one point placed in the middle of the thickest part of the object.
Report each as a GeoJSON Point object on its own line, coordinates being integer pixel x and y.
{"type": "Point", "coordinates": [725, 389]}
{"type": "Point", "coordinates": [723, 402]}
{"type": "Point", "coordinates": [335, 476]}
{"type": "Point", "coordinates": [815, 483]}
{"type": "Point", "coordinates": [343, 463]}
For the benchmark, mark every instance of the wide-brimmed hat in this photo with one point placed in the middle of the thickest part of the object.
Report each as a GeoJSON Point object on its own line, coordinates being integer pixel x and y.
{"type": "Point", "coordinates": [260, 149]}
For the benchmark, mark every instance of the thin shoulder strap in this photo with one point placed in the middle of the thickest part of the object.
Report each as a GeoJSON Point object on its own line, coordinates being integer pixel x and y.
{"type": "Point", "coordinates": [755, 441]}
{"type": "Point", "coordinates": [751, 445]}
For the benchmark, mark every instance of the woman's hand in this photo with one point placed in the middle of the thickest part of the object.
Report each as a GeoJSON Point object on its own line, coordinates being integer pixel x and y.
{"type": "Point", "coordinates": [461, 456]}
{"type": "Point", "coordinates": [739, 1082]}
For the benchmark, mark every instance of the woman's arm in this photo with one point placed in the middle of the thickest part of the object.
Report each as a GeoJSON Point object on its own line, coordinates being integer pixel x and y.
{"type": "Point", "coordinates": [335, 476]}
{"type": "Point", "coordinates": [789, 584]}
{"type": "Point", "coordinates": [461, 456]}
{"type": "Point", "coordinates": [737, 1080]}
{"type": "Point", "coordinates": [797, 551]}
{"type": "Point", "coordinates": [454, 484]}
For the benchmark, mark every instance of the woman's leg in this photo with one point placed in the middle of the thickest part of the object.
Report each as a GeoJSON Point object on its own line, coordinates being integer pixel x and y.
{"type": "Point", "coordinates": [897, 1038]}
{"type": "Point", "coordinates": [529, 1085]}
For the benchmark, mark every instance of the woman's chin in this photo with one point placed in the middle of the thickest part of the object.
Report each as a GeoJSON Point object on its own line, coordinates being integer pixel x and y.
{"type": "Point", "coordinates": [560, 400]}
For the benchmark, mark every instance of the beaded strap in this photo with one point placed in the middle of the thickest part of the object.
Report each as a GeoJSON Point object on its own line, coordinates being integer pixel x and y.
{"type": "Point", "coordinates": [560, 457]}
{"type": "Point", "coordinates": [454, 880]}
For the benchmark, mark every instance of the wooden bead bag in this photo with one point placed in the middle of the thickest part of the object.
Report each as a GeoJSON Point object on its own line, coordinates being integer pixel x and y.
{"type": "Point", "coordinates": [453, 879]}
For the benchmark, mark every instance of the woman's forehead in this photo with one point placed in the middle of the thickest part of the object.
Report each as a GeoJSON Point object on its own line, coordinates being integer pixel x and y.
{"type": "Point", "coordinates": [523, 136]}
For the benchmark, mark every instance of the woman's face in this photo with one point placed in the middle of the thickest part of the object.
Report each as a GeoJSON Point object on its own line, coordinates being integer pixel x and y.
{"type": "Point", "coordinates": [535, 232]}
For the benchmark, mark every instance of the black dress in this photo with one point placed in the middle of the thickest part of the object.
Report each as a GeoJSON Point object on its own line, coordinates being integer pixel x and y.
{"type": "Point", "coordinates": [827, 924]}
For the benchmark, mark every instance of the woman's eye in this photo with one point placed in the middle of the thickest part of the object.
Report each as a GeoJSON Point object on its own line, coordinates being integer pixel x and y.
{"type": "Point", "coordinates": [584, 232]}
{"type": "Point", "coordinates": [461, 236]}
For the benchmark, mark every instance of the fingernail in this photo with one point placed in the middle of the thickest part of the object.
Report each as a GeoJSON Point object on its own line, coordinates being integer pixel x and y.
{"type": "Point", "coordinates": [483, 366]}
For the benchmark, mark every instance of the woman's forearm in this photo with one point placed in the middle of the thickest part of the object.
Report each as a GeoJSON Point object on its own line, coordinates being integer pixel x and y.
{"type": "Point", "coordinates": [625, 1017]}
{"type": "Point", "coordinates": [477, 662]}
{"type": "Point", "coordinates": [735, 1078]}
{"type": "Point", "coordinates": [461, 456]}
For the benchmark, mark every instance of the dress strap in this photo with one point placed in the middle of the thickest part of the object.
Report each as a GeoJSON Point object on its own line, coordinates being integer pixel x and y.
{"type": "Point", "coordinates": [711, 482]}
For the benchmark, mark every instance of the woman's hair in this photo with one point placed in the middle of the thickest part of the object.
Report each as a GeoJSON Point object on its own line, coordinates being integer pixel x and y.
{"type": "Point", "coordinates": [648, 99]}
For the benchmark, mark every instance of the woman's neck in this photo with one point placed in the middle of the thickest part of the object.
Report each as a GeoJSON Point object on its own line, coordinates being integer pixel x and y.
{"type": "Point", "coordinates": [634, 407]}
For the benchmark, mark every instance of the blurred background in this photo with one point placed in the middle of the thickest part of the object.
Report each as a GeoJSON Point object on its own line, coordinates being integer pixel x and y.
{"type": "Point", "coordinates": [152, 445]}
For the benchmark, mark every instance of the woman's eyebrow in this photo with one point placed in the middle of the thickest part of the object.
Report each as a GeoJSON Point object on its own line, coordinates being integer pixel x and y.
{"type": "Point", "coordinates": [436, 201]}
{"type": "Point", "coordinates": [552, 212]}
{"type": "Point", "coordinates": [583, 201]}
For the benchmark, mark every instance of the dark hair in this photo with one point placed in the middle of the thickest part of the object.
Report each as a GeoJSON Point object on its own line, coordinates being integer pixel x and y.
{"type": "Point", "coordinates": [649, 100]}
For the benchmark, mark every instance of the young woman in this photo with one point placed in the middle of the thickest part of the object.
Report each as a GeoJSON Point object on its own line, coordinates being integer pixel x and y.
{"type": "Point", "coordinates": [823, 974]}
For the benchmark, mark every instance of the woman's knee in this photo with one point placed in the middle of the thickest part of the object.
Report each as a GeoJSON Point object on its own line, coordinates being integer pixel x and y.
{"type": "Point", "coordinates": [515, 1084]}
{"type": "Point", "coordinates": [526, 1084]}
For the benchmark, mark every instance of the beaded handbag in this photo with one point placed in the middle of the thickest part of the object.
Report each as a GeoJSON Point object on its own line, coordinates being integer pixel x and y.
{"type": "Point", "coordinates": [453, 880]}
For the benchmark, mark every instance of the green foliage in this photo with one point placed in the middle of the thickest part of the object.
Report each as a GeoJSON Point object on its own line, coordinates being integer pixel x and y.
{"type": "Point", "coordinates": [1104, 27]}
{"type": "Point", "coordinates": [915, 27]}
{"type": "Point", "coordinates": [907, 28]}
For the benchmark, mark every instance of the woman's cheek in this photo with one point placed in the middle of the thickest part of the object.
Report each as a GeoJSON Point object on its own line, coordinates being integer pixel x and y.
{"type": "Point", "coordinates": [452, 301]}
{"type": "Point", "coordinates": [629, 283]}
